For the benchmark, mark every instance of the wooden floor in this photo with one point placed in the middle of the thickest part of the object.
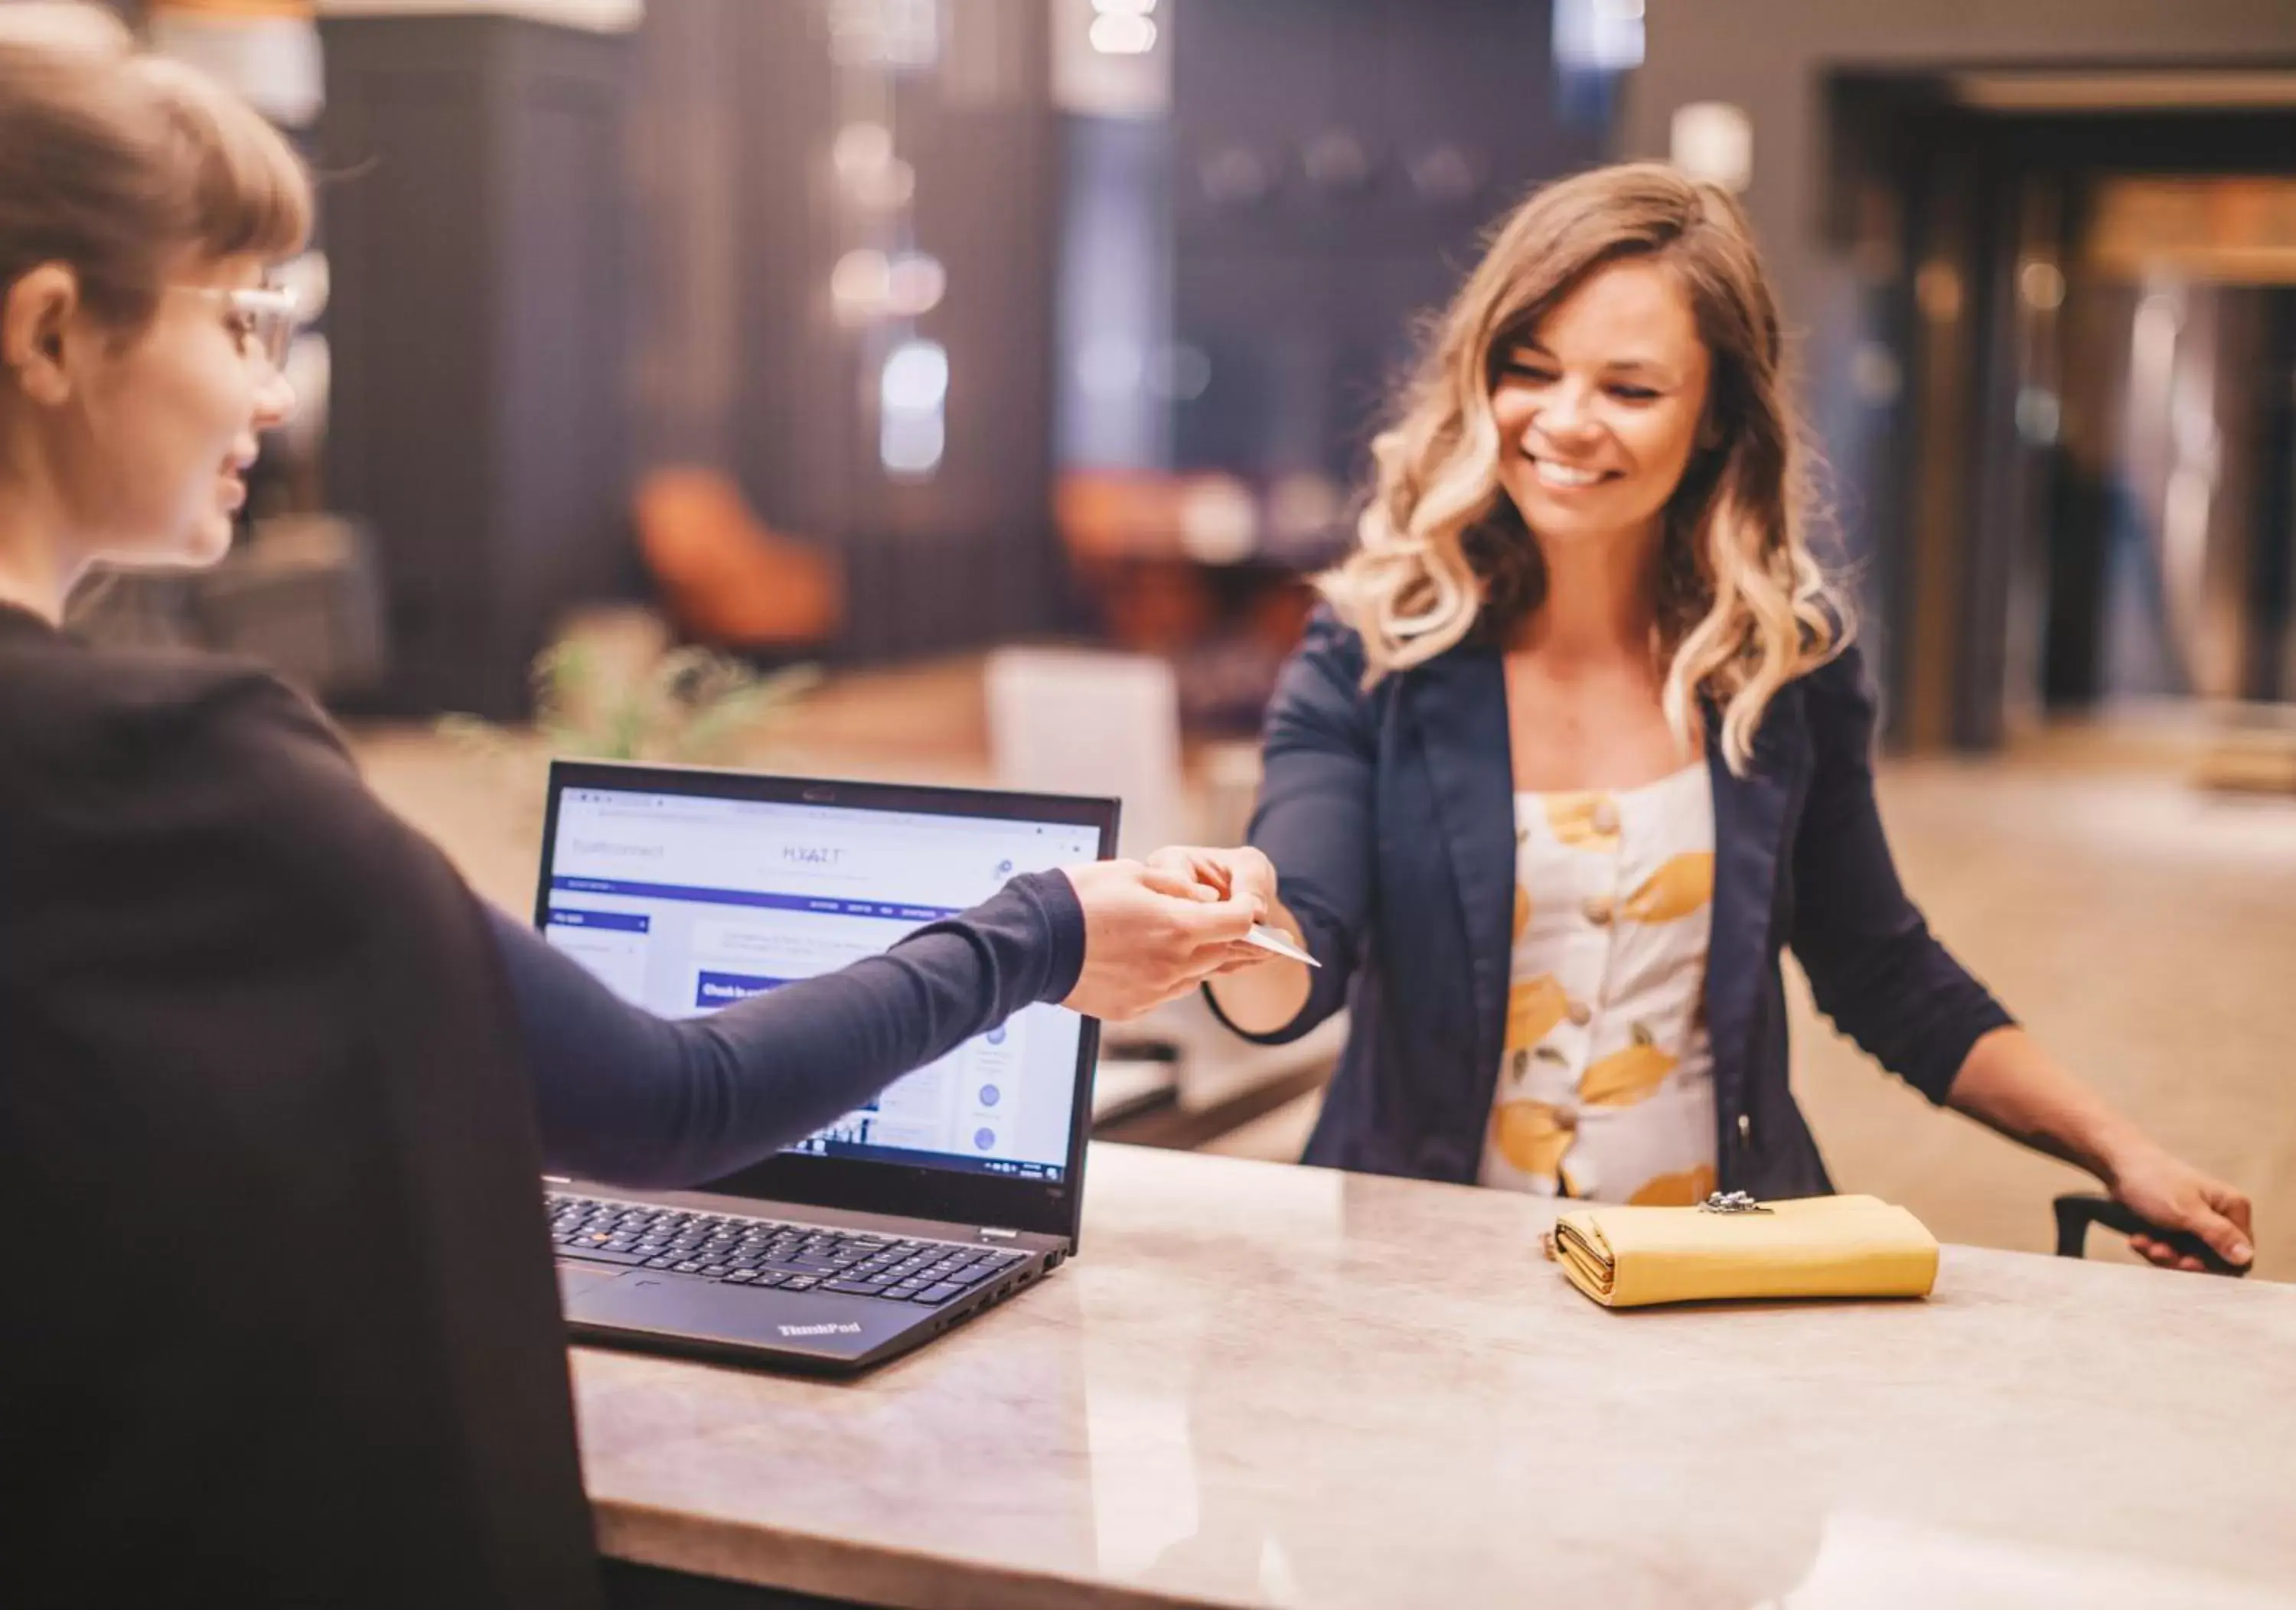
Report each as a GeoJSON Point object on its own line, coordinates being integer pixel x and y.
{"type": "Point", "coordinates": [2144, 929]}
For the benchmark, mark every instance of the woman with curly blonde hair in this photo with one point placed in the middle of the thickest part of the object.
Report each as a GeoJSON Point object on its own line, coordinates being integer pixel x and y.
{"type": "Point", "coordinates": [1581, 741]}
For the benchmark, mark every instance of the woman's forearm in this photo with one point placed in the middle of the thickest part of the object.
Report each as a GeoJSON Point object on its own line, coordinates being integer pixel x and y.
{"type": "Point", "coordinates": [2009, 1083]}
{"type": "Point", "coordinates": [1263, 999]}
{"type": "Point", "coordinates": [629, 1098]}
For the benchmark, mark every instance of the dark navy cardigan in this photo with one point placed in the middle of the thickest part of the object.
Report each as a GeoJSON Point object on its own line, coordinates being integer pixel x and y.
{"type": "Point", "coordinates": [1389, 815]}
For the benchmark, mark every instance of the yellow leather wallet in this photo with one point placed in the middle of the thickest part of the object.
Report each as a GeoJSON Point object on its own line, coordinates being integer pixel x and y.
{"type": "Point", "coordinates": [1732, 1247]}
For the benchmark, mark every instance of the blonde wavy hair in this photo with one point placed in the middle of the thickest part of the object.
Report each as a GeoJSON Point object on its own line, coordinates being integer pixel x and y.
{"type": "Point", "coordinates": [1743, 607]}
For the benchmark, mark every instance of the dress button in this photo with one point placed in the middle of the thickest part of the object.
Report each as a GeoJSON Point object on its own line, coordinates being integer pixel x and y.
{"type": "Point", "coordinates": [1598, 910]}
{"type": "Point", "coordinates": [1581, 1014]}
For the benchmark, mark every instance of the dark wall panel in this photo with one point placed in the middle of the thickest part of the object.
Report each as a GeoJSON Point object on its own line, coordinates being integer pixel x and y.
{"type": "Point", "coordinates": [479, 406]}
{"type": "Point", "coordinates": [1334, 167]}
{"type": "Point", "coordinates": [739, 109]}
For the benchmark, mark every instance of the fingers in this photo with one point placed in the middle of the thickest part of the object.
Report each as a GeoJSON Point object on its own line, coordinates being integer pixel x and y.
{"type": "Point", "coordinates": [1228, 872]}
{"type": "Point", "coordinates": [1253, 864]}
{"type": "Point", "coordinates": [1216, 960]}
{"type": "Point", "coordinates": [1160, 930]}
{"type": "Point", "coordinates": [1177, 885]}
{"type": "Point", "coordinates": [1250, 872]}
{"type": "Point", "coordinates": [1149, 986]}
{"type": "Point", "coordinates": [1196, 867]}
{"type": "Point", "coordinates": [2161, 1255]}
{"type": "Point", "coordinates": [2230, 1204]}
{"type": "Point", "coordinates": [1237, 958]}
{"type": "Point", "coordinates": [1213, 874]}
{"type": "Point", "coordinates": [1223, 922]}
{"type": "Point", "coordinates": [2214, 1212]}
{"type": "Point", "coordinates": [2221, 1234]}
{"type": "Point", "coordinates": [1234, 958]}
{"type": "Point", "coordinates": [2156, 1253]}
{"type": "Point", "coordinates": [1177, 865]}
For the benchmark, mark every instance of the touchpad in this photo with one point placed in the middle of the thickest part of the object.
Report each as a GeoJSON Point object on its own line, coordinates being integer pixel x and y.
{"type": "Point", "coordinates": [705, 1311]}
{"type": "Point", "coordinates": [578, 1280]}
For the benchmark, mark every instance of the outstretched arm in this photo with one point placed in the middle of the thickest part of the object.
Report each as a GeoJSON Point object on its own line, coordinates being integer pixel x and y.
{"type": "Point", "coordinates": [625, 1096]}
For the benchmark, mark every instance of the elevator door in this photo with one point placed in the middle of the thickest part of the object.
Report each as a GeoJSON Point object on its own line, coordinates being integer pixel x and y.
{"type": "Point", "coordinates": [2173, 514]}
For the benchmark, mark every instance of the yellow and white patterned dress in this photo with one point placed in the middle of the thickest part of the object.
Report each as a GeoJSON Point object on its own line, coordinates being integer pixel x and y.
{"type": "Point", "coordinates": [1606, 1084]}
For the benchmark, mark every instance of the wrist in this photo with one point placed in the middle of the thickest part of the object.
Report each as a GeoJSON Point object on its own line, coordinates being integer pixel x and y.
{"type": "Point", "coordinates": [1059, 907]}
{"type": "Point", "coordinates": [2118, 1151]}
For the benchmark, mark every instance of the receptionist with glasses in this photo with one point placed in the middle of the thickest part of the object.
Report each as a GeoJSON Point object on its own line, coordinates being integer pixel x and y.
{"type": "Point", "coordinates": [275, 1089]}
{"type": "Point", "coordinates": [262, 318]}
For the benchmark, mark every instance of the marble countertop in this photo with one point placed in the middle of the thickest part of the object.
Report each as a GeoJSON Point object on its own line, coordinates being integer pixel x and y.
{"type": "Point", "coordinates": [1271, 1386]}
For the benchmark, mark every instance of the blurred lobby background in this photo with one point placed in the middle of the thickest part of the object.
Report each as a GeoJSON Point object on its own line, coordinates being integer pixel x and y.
{"type": "Point", "coordinates": [978, 382]}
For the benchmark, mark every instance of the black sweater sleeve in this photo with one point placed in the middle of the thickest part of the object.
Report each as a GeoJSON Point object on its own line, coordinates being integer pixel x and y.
{"type": "Point", "coordinates": [626, 1097]}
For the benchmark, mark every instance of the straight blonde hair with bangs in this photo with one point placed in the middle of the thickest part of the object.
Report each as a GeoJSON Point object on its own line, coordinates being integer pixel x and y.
{"type": "Point", "coordinates": [1743, 607]}
{"type": "Point", "coordinates": [117, 163]}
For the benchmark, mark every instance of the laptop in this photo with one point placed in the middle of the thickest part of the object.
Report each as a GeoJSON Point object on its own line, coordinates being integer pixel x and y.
{"type": "Point", "coordinates": [960, 1185]}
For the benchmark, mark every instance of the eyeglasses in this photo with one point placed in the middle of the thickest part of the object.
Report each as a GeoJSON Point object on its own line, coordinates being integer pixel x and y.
{"type": "Point", "coordinates": [264, 318]}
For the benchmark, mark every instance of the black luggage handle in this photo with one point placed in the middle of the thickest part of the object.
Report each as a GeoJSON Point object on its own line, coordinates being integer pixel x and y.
{"type": "Point", "coordinates": [2077, 1213]}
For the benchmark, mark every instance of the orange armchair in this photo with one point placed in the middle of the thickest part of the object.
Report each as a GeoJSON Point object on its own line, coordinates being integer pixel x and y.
{"type": "Point", "coordinates": [725, 578]}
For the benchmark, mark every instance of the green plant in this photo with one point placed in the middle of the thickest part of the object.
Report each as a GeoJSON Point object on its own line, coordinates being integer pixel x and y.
{"type": "Point", "coordinates": [689, 707]}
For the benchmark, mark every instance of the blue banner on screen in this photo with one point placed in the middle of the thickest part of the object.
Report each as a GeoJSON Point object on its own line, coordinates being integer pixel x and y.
{"type": "Point", "coordinates": [724, 989]}
{"type": "Point", "coordinates": [686, 904]}
{"type": "Point", "coordinates": [619, 922]}
{"type": "Point", "coordinates": [771, 900]}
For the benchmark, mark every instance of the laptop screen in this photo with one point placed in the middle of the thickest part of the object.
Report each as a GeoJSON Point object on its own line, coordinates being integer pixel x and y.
{"type": "Point", "coordinates": [684, 902]}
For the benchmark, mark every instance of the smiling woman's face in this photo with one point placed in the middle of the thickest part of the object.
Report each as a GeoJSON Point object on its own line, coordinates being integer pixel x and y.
{"type": "Point", "coordinates": [1599, 407]}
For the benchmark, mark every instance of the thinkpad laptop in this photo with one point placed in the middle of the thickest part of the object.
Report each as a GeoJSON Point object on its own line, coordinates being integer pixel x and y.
{"type": "Point", "coordinates": [685, 890]}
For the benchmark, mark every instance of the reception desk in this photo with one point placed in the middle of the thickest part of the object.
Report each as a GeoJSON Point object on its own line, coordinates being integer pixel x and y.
{"type": "Point", "coordinates": [1269, 1386]}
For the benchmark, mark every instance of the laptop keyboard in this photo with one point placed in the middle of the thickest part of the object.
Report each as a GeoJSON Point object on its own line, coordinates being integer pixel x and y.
{"type": "Point", "coordinates": [765, 1254]}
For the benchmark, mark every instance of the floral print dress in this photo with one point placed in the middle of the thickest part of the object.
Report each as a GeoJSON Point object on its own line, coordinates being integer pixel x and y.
{"type": "Point", "coordinates": [1606, 1086]}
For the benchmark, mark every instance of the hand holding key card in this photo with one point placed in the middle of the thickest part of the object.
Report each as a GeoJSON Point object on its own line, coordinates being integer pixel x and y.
{"type": "Point", "coordinates": [1151, 935]}
{"type": "Point", "coordinates": [1227, 874]}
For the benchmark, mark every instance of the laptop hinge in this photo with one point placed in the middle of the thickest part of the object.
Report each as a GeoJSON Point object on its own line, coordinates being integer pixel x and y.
{"type": "Point", "coordinates": [989, 1233]}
